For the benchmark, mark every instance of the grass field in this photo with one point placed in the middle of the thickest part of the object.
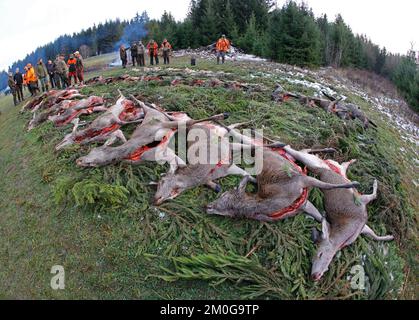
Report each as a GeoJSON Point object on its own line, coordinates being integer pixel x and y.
{"type": "Point", "coordinates": [101, 226]}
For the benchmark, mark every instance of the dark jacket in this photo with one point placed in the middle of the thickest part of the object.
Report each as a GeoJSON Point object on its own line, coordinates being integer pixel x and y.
{"type": "Point", "coordinates": [51, 69]}
{"type": "Point", "coordinates": [18, 77]}
{"type": "Point", "coordinates": [123, 54]}
{"type": "Point", "coordinates": [134, 50]}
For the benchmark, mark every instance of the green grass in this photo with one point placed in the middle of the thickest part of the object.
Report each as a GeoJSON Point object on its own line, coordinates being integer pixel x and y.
{"type": "Point", "coordinates": [101, 226]}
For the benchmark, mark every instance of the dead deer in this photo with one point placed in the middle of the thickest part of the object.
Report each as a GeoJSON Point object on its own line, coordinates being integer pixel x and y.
{"type": "Point", "coordinates": [149, 141]}
{"type": "Point", "coordinates": [83, 107]}
{"type": "Point", "coordinates": [107, 126]}
{"type": "Point", "coordinates": [346, 211]}
{"type": "Point", "coordinates": [282, 192]}
{"type": "Point", "coordinates": [193, 175]}
{"type": "Point", "coordinates": [42, 116]}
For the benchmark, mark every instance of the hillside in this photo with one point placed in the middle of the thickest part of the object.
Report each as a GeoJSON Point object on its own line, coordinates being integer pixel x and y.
{"type": "Point", "coordinates": [100, 224]}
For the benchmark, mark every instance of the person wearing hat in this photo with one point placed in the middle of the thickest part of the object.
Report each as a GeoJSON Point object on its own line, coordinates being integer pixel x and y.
{"type": "Point", "coordinates": [134, 53]}
{"type": "Point", "coordinates": [12, 85]}
{"type": "Point", "coordinates": [51, 73]}
{"type": "Point", "coordinates": [123, 55]}
{"type": "Point", "coordinates": [60, 72]}
{"type": "Point", "coordinates": [79, 67]}
{"type": "Point", "coordinates": [18, 79]}
{"type": "Point", "coordinates": [32, 79]}
{"type": "Point", "coordinates": [153, 51]}
{"type": "Point", "coordinates": [42, 74]}
{"type": "Point", "coordinates": [222, 47]}
{"type": "Point", "coordinates": [166, 48]}
{"type": "Point", "coordinates": [72, 69]}
{"type": "Point", "coordinates": [140, 54]}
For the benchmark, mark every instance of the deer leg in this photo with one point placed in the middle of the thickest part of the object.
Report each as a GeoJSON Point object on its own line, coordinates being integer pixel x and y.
{"type": "Point", "coordinates": [368, 198]}
{"type": "Point", "coordinates": [120, 135]}
{"type": "Point", "coordinates": [166, 155]}
{"type": "Point", "coordinates": [309, 182]}
{"type": "Point", "coordinates": [311, 161]}
{"type": "Point", "coordinates": [312, 211]}
{"type": "Point", "coordinates": [236, 135]}
{"type": "Point", "coordinates": [189, 123]}
{"type": "Point", "coordinates": [236, 171]}
{"type": "Point", "coordinates": [367, 231]}
{"type": "Point", "coordinates": [76, 123]}
{"type": "Point", "coordinates": [111, 140]}
{"type": "Point", "coordinates": [345, 166]}
{"type": "Point", "coordinates": [214, 186]}
{"type": "Point", "coordinates": [261, 217]}
{"type": "Point", "coordinates": [242, 186]}
{"type": "Point", "coordinates": [129, 122]}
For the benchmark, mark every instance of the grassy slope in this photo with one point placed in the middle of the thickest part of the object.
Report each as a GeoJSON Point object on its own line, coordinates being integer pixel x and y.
{"type": "Point", "coordinates": [114, 239]}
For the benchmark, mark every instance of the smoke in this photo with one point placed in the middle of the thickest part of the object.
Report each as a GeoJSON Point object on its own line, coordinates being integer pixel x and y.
{"type": "Point", "coordinates": [134, 31]}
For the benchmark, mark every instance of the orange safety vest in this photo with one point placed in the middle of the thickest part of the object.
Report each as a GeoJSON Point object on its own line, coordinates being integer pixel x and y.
{"type": "Point", "coordinates": [153, 49]}
{"type": "Point", "coordinates": [31, 75]}
{"type": "Point", "coordinates": [70, 64]}
{"type": "Point", "coordinates": [223, 45]}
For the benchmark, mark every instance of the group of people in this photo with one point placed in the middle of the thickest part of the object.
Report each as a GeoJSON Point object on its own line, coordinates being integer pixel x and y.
{"type": "Point", "coordinates": [138, 52]}
{"type": "Point", "coordinates": [55, 74]}
{"type": "Point", "coordinates": [61, 73]}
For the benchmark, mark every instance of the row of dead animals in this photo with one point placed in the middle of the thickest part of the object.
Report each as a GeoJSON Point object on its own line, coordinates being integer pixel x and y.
{"type": "Point", "coordinates": [178, 80]}
{"type": "Point", "coordinates": [345, 111]}
{"type": "Point", "coordinates": [282, 185]}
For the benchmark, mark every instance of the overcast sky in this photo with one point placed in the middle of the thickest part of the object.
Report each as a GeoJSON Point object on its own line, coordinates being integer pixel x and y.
{"type": "Point", "coordinates": [27, 24]}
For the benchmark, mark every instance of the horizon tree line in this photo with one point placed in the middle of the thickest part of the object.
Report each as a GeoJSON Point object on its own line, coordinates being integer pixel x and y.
{"type": "Point", "coordinates": [290, 34]}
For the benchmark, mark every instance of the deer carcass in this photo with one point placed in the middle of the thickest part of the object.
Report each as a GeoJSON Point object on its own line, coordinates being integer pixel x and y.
{"type": "Point", "coordinates": [42, 116]}
{"type": "Point", "coordinates": [149, 142]}
{"type": "Point", "coordinates": [279, 95]}
{"type": "Point", "coordinates": [346, 211]}
{"type": "Point", "coordinates": [197, 174]}
{"type": "Point", "coordinates": [83, 107]}
{"type": "Point", "coordinates": [282, 191]}
{"type": "Point", "coordinates": [105, 126]}
{"type": "Point", "coordinates": [30, 105]}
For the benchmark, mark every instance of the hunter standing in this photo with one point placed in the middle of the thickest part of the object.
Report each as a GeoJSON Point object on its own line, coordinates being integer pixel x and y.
{"type": "Point", "coordinates": [153, 52]}
{"type": "Point", "coordinates": [18, 78]}
{"type": "Point", "coordinates": [62, 71]}
{"type": "Point", "coordinates": [12, 85]}
{"type": "Point", "coordinates": [222, 47]}
{"type": "Point", "coordinates": [141, 54]}
{"type": "Point", "coordinates": [72, 69]}
{"type": "Point", "coordinates": [41, 72]}
{"type": "Point", "coordinates": [51, 73]}
{"type": "Point", "coordinates": [32, 80]}
{"type": "Point", "coordinates": [123, 56]}
{"type": "Point", "coordinates": [134, 53]}
{"type": "Point", "coordinates": [166, 48]}
{"type": "Point", "coordinates": [79, 67]}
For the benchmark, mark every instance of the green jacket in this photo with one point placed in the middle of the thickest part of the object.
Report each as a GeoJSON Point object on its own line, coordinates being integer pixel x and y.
{"type": "Point", "coordinates": [62, 67]}
{"type": "Point", "coordinates": [41, 71]}
{"type": "Point", "coordinates": [12, 85]}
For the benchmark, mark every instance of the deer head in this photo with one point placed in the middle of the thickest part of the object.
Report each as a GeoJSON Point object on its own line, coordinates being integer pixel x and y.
{"type": "Point", "coordinates": [326, 250]}
{"type": "Point", "coordinates": [226, 205]}
{"type": "Point", "coordinates": [170, 186]}
{"type": "Point", "coordinates": [97, 157]}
